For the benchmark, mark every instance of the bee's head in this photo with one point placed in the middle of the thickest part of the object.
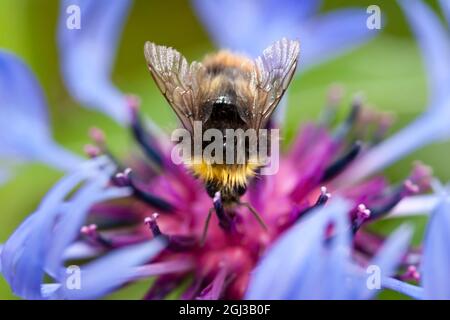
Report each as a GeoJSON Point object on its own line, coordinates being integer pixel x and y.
{"type": "Point", "coordinates": [235, 192]}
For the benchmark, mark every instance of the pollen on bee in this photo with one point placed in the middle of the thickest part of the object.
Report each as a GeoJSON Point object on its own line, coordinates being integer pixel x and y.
{"type": "Point", "coordinates": [229, 176]}
{"type": "Point", "coordinates": [228, 59]}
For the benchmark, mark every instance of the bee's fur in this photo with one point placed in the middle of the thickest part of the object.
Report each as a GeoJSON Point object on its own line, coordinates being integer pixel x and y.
{"type": "Point", "coordinates": [227, 79]}
{"type": "Point", "coordinates": [224, 91]}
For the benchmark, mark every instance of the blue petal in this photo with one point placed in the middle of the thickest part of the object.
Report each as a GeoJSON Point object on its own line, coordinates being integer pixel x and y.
{"type": "Point", "coordinates": [334, 266]}
{"type": "Point", "coordinates": [1, 249]}
{"type": "Point", "coordinates": [393, 250]}
{"type": "Point", "coordinates": [238, 25]}
{"type": "Point", "coordinates": [24, 254]}
{"type": "Point", "coordinates": [48, 290]}
{"type": "Point", "coordinates": [332, 34]}
{"type": "Point", "coordinates": [403, 287]}
{"type": "Point", "coordinates": [445, 4]}
{"type": "Point", "coordinates": [87, 54]}
{"type": "Point", "coordinates": [71, 221]}
{"type": "Point", "coordinates": [81, 250]}
{"type": "Point", "coordinates": [415, 205]}
{"type": "Point", "coordinates": [301, 266]}
{"type": "Point", "coordinates": [436, 254]}
{"type": "Point", "coordinates": [12, 247]}
{"type": "Point", "coordinates": [24, 125]}
{"type": "Point", "coordinates": [232, 23]}
{"type": "Point", "coordinates": [299, 260]}
{"type": "Point", "coordinates": [389, 257]}
{"type": "Point", "coordinates": [434, 41]}
{"type": "Point", "coordinates": [103, 275]}
{"type": "Point", "coordinates": [250, 26]}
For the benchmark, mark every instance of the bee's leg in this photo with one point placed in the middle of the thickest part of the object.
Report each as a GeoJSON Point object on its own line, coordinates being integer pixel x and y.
{"type": "Point", "coordinates": [205, 228]}
{"type": "Point", "coordinates": [224, 220]}
{"type": "Point", "coordinates": [255, 214]}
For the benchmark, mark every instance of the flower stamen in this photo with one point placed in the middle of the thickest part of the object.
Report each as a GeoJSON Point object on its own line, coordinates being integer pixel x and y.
{"type": "Point", "coordinates": [362, 214]}
{"type": "Point", "coordinates": [342, 163]}
{"type": "Point", "coordinates": [175, 242]}
{"type": "Point", "coordinates": [91, 151]}
{"type": "Point", "coordinates": [406, 189]}
{"type": "Point", "coordinates": [411, 273]}
{"type": "Point", "coordinates": [122, 179]}
{"type": "Point", "coordinates": [343, 129]}
{"type": "Point", "coordinates": [153, 225]}
{"type": "Point", "coordinates": [145, 140]}
{"type": "Point", "coordinates": [97, 136]}
{"type": "Point", "coordinates": [321, 200]}
{"type": "Point", "coordinates": [92, 234]}
{"type": "Point", "coordinates": [126, 178]}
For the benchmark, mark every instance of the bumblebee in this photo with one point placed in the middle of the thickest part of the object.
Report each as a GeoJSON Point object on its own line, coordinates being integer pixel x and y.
{"type": "Point", "coordinates": [224, 91]}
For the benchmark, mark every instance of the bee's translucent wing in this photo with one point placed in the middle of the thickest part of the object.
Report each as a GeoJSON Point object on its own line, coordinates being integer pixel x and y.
{"type": "Point", "coordinates": [270, 78]}
{"type": "Point", "coordinates": [177, 80]}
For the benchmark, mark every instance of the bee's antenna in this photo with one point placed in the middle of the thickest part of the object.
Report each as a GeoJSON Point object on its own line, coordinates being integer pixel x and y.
{"type": "Point", "coordinates": [255, 214]}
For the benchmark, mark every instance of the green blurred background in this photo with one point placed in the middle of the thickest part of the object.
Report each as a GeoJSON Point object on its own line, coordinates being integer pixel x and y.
{"type": "Point", "coordinates": [388, 70]}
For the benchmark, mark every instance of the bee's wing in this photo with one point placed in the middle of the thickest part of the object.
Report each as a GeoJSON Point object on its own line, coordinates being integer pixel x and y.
{"type": "Point", "coordinates": [270, 78]}
{"type": "Point", "coordinates": [177, 80]}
